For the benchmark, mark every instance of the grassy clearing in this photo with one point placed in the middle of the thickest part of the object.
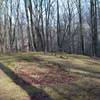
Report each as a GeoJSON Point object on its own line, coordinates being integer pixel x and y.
{"type": "Point", "coordinates": [25, 76]}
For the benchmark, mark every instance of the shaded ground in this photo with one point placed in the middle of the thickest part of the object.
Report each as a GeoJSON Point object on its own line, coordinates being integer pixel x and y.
{"type": "Point", "coordinates": [50, 75]}
{"type": "Point", "coordinates": [35, 76]}
{"type": "Point", "coordinates": [33, 92]}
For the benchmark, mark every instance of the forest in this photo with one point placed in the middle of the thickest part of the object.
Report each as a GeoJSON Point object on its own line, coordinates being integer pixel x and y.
{"type": "Point", "coordinates": [70, 26]}
{"type": "Point", "coordinates": [49, 49]}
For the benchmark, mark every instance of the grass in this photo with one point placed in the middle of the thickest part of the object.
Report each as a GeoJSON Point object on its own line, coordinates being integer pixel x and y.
{"type": "Point", "coordinates": [57, 76]}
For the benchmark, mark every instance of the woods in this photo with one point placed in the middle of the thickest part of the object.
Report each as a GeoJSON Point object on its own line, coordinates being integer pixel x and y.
{"type": "Point", "coordinates": [70, 26]}
{"type": "Point", "coordinates": [49, 49]}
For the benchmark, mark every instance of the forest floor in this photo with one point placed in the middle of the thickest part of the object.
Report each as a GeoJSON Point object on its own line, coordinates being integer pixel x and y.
{"type": "Point", "coordinates": [35, 76]}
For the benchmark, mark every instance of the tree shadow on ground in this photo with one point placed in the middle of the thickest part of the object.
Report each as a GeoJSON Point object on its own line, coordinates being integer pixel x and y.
{"type": "Point", "coordinates": [33, 92]}
{"type": "Point", "coordinates": [30, 59]}
{"type": "Point", "coordinates": [83, 91]}
{"type": "Point", "coordinates": [34, 59]}
{"type": "Point", "coordinates": [66, 66]}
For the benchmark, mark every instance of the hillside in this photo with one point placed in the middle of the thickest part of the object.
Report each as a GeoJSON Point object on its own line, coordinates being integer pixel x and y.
{"type": "Point", "coordinates": [35, 76]}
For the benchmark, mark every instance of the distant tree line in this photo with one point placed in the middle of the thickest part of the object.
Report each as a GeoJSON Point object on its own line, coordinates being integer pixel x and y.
{"type": "Point", "coordinates": [71, 26]}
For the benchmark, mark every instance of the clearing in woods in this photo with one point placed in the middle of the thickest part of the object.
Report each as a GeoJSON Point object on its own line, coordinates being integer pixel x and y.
{"type": "Point", "coordinates": [35, 76]}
